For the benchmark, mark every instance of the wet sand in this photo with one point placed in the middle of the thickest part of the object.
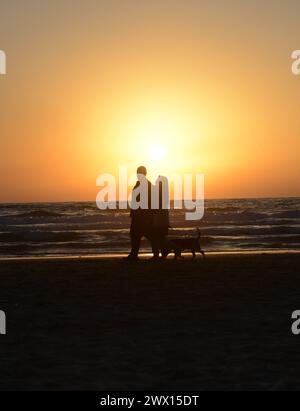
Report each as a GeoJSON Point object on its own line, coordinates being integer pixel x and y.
{"type": "Point", "coordinates": [103, 324]}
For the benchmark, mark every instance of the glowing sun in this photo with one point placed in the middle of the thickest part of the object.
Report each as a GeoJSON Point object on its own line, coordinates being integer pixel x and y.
{"type": "Point", "coordinates": [157, 152]}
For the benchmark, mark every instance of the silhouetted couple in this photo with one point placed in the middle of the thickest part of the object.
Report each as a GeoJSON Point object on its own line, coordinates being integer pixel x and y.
{"type": "Point", "coordinates": [150, 219]}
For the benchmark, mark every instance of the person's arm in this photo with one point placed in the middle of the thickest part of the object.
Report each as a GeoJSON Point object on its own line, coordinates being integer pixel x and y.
{"type": "Point", "coordinates": [136, 186]}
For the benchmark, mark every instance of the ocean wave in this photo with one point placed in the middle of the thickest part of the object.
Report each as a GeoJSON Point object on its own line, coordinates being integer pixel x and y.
{"type": "Point", "coordinates": [222, 209]}
{"type": "Point", "coordinates": [80, 228]}
{"type": "Point", "coordinates": [288, 214]}
{"type": "Point", "coordinates": [39, 236]}
{"type": "Point", "coordinates": [39, 214]}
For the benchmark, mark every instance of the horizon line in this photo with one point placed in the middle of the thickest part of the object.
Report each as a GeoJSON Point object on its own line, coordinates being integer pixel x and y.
{"type": "Point", "coordinates": [94, 201]}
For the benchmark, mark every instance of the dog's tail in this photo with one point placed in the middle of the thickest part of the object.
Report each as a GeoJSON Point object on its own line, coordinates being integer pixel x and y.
{"type": "Point", "coordinates": [199, 233]}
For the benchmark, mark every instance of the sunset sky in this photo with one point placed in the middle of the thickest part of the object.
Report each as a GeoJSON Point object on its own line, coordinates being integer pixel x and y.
{"type": "Point", "coordinates": [176, 85]}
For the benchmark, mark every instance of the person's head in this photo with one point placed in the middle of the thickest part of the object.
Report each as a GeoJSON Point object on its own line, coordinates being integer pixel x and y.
{"type": "Point", "coordinates": [141, 171]}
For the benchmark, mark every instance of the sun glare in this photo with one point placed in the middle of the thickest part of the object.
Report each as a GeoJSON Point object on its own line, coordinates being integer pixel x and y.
{"type": "Point", "coordinates": [156, 137]}
{"type": "Point", "coordinates": [157, 153]}
{"type": "Point", "coordinates": [157, 134]}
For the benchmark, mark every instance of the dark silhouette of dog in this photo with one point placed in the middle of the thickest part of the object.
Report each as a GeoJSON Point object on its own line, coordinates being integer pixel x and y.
{"type": "Point", "coordinates": [178, 245]}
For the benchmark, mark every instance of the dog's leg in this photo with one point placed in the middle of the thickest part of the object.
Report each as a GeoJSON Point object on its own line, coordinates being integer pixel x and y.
{"type": "Point", "coordinates": [179, 254]}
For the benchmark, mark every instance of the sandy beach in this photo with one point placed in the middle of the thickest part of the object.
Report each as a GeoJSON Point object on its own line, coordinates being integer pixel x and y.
{"type": "Point", "coordinates": [103, 324]}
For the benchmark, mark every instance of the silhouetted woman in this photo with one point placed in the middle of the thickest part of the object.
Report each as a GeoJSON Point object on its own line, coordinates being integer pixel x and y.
{"type": "Point", "coordinates": [161, 221]}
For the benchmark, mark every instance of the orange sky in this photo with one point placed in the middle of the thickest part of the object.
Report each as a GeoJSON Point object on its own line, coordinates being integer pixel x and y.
{"type": "Point", "coordinates": [93, 85]}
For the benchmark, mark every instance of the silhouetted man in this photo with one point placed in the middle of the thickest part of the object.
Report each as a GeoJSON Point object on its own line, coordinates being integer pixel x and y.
{"type": "Point", "coordinates": [142, 216]}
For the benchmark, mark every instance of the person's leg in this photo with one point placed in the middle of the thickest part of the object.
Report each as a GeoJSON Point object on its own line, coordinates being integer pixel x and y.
{"type": "Point", "coordinates": [135, 243]}
{"type": "Point", "coordinates": [165, 246]}
{"type": "Point", "coordinates": [153, 237]}
{"type": "Point", "coordinates": [155, 242]}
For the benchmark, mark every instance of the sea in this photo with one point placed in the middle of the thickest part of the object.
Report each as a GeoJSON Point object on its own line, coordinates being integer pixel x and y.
{"type": "Point", "coordinates": [81, 229]}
